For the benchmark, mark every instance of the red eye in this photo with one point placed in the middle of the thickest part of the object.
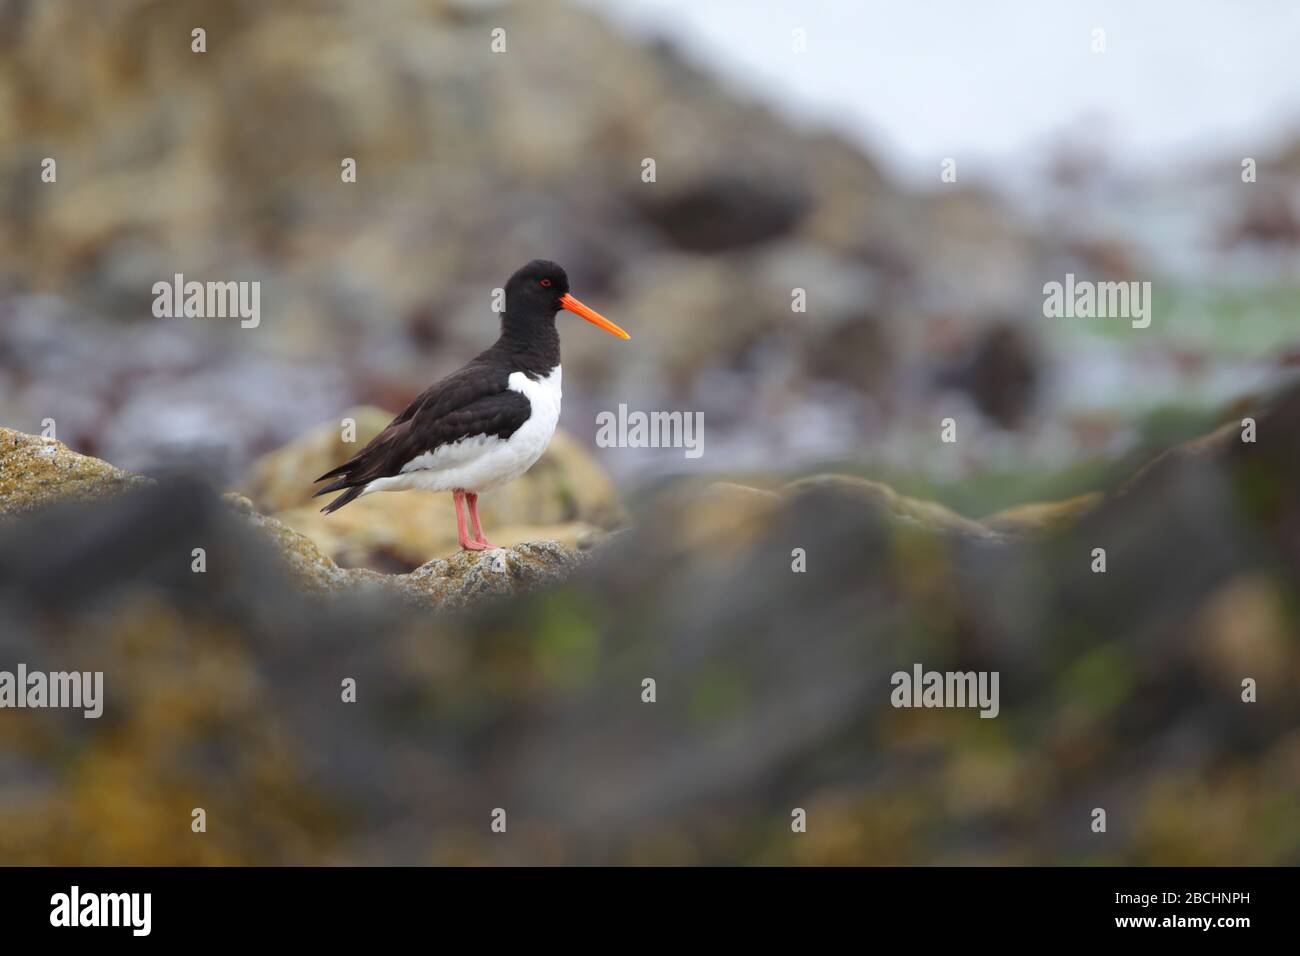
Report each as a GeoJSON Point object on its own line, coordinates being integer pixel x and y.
{"type": "Point", "coordinates": [546, 282]}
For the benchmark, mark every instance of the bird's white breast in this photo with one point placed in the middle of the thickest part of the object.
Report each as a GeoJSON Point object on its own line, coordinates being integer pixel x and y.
{"type": "Point", "coordinates": [483, 462]}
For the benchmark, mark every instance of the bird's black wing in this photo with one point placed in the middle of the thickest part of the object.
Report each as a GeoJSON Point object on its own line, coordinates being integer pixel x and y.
{"type": "Point", "coordinates": [476, 400]}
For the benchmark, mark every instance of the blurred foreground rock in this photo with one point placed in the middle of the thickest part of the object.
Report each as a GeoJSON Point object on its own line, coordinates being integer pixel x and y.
{"type": "Point", "coordinates": [727, 513]}
{"type": "Point", "coordinates": [1041, 516]}
{"type": "Point", "coordinates": [771, 685]}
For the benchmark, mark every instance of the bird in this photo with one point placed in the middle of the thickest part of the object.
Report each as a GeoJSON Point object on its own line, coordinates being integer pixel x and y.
{"type": "Point", "coordinates": [485, 424]}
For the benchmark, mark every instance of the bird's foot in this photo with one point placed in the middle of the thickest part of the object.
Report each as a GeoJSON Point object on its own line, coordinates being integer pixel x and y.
{"type": "Point", "coordinates": [471, 545]}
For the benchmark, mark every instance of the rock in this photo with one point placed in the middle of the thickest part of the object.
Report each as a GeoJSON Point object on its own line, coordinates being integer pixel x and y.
{"type": "Point", "coordinates": [312, 570]}
{"type": "Point", "coordinates": [1215, 446]}
{"type": "Point", "coordinates": [228, 684]}
{"type": "Point", "coordinates": [999, 368]}
{"type": "Point", "coordinates": [470, 577]}
{"type": "Point", "coordinates": [727, 517]}
{"type": "Point", "coordinates": [724, 211]}
{"type": "Point", "coordinates": [928, 515]}
{"type": "Point", "coordinates": [1042, 516]}
{"type": "Point", "coordinates": [456, 581]}
{"type": "Point", "coordinates": [36, 472]}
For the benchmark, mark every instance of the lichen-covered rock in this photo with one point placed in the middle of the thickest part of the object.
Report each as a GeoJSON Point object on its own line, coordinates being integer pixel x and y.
{"type": "Point", "coordinates": [469, 577]}
{"type": "Point", "coordinates": [36, 472]}
{"type": "Point", "coordinates": [457, 581]}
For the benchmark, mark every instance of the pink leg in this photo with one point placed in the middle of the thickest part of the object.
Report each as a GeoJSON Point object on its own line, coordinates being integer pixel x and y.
{"type": "Point", "coordinates": [466, 541]}
{"type": "Point", "coordinates": [473, 517]}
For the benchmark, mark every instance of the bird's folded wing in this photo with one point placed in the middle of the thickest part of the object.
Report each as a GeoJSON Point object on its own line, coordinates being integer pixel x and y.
{"type": "Point", "coordinates": [460, 406]}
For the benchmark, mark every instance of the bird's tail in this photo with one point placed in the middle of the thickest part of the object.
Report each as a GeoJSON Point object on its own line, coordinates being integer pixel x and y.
{"type": "Point", "coordinates": [354, 475]}
{"type": "Point", "coordinates": [350, 492]}
{"type": "Point", "coordinates": [350, 495]}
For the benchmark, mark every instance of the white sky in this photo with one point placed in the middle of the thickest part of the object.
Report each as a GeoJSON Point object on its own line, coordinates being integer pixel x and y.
{"type": "Point", "coordinates": [992, 81]}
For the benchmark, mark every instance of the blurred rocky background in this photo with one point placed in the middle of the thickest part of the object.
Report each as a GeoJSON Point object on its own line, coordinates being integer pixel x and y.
{"type": "Point", "coordinates": [1119, 690]}
{"type": "Point", "coordinates": [921, 302]}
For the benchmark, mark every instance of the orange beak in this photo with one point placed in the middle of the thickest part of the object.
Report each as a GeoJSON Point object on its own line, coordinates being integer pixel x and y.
{"type": "Point", "coordinates": [591, 315]}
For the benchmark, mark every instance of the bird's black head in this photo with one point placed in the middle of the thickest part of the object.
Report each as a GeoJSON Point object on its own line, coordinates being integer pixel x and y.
{"type": "Point", "coordinates": [539, 290]}
{"type": "Point", "coordinates": [536, 289]}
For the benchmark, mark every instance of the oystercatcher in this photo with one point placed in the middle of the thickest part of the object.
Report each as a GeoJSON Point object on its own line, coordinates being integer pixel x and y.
{"type": "Point", "coordinates": [485, 424]}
